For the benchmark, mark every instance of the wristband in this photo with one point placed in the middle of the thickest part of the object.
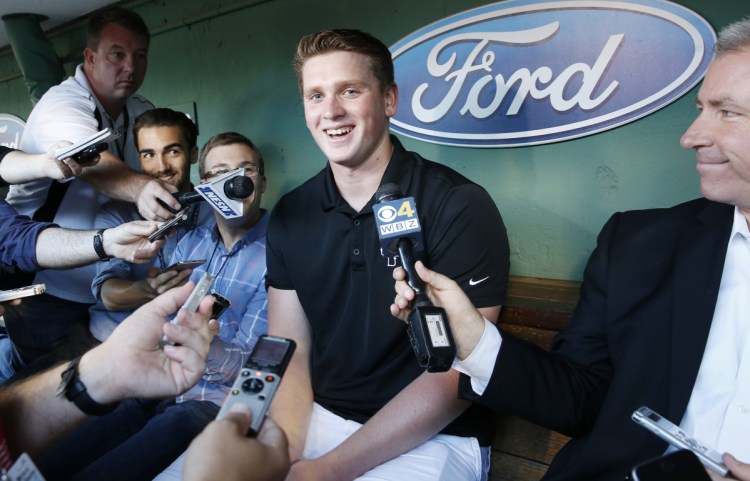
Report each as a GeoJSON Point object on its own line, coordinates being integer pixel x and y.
{"type": "Point", "coordinates": [75, 391]}
{"type": "Point", "coordinates": [99, 245]}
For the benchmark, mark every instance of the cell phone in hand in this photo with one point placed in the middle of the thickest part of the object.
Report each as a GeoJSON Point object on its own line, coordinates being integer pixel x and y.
{"type": "Point", "coordinates": [259, 378]}
{"type": "Point", "coordinates": [188, 264]}
{"type": "Point", "coordinates": [681, 465]}
{"type": "Point", "coordinates": [20, 292]}
{"type": "Point", "coordinates": [193, 301]}
{"type": "Point", "coordinates": [84, 150]}
{"type": "Point", "coordinates": [221, 304]}
{"type": "Point", "coordinates": [678, 438]}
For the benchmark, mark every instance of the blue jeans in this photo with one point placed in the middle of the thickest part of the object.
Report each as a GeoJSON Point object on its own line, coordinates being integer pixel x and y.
{"type": "Point", "coordinates": [137, 441]}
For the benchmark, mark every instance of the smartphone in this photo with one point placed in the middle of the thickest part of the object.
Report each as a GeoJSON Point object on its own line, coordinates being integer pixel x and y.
{"type": "Point", "coordinates": [678, 438]}
{"type": "Point", "coordinates": [189, 264]}
{"type": "Point", "coordinates": [221, 304]}
{"type": "Point", "coordinates": [193, 301]}
{"type": "Point", "coordinates": [20, 292]}
{"type": "Point", "coordinates": [681, 465]}
{"type": "Point", "coordinates": [173, 223]}
{"type": "Point", "coordinates": [89, 145]}
{"type": "Point", "coordinates": [259, 378]}
{"type": "Point", "coordinates": [85, 156]}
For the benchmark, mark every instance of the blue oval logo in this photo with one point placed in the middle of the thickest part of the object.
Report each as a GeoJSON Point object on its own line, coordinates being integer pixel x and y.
{"type": "Point", "coordinates": [11, 129]}
{"type": "Point", "coordinates": [534, 72]}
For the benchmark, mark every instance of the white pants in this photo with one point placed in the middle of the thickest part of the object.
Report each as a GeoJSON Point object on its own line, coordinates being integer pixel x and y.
{"type": "Point", "coordinates": [441, 458]}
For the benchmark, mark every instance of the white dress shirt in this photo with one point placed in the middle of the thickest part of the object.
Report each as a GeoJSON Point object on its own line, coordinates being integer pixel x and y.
{"type": "Point", "coordinates": [718, 413]}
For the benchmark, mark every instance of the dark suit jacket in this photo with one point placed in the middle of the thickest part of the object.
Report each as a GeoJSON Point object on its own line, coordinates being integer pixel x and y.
{"type": "Point", "coordinates": [636, 338]}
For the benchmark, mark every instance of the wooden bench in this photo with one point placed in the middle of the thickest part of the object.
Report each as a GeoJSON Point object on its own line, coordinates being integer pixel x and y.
{"type": "Point", "coordinates": [535, 310]}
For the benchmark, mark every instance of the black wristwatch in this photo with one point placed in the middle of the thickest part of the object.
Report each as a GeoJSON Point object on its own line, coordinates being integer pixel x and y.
{"type": "Point", "coordinates": [99, 245]}
{"type": "Point", "coordinates": [74, 391]}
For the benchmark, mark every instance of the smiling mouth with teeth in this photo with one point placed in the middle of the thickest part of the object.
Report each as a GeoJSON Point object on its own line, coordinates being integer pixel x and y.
{"type": "Point", "coordinates": [338, 132]}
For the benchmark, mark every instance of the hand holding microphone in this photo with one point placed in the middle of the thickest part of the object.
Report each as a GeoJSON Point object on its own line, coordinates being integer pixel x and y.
{"type": "Point", "coordinates": [399, 231]}
{"type": "Point", "coordinates": [234, 188]}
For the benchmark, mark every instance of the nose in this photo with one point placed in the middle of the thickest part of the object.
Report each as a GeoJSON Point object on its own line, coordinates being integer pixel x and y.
{"type": "Point", "coordinates": [697, 135]}
{"type": "Point", "coordinates": [161, 164]}
{"type": "Point", "coordinates": [128, 63]}
{"type": "Point", "coordinates": [333, 108]}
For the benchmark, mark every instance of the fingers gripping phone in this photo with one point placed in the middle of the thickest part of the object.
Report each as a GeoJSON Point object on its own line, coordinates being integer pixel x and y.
{"type": "Point", "coordinates": [259, 379]}
{"type": "Point", "coordinates": [678, 438]}
{"type": "Point", "coordinates": [682, 465]}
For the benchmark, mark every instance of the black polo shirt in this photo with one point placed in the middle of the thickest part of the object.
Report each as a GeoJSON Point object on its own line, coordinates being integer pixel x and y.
{"type": "Point", "coordinates": [330, 255]}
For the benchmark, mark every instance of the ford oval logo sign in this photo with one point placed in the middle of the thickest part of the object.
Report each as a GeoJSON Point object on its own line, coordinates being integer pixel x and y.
{"type": "Point", "coordinates": [533, 72]}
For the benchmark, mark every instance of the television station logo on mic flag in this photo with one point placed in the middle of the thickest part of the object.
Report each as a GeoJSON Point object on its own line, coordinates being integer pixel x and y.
{"type": "Point", "coordinates": [397, 219]}
{"type": "Point", "coordinates": [215, 195]}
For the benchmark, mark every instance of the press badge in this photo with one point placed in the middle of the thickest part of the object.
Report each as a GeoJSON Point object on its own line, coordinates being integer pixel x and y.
{"type": "Point", "coordinates": [23, 469]}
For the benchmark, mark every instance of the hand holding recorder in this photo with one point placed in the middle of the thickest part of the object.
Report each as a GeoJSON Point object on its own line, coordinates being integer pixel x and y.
{"type": "Point", "coordinates": [258, 380]}
{"type": "Point", "coordinates": [223, 447]}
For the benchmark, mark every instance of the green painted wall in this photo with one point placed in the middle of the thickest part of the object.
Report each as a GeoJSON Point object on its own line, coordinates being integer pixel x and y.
{"type": "Point", "coordinates": [233, 60]}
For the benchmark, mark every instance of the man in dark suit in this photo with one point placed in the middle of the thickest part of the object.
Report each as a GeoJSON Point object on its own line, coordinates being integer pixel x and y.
{"type": "Point", "coordinates": [663, 317]}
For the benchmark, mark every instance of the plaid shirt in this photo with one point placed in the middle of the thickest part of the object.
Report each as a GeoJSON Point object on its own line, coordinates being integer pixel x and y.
{"type": "Point", "coordinates": [240, 277]}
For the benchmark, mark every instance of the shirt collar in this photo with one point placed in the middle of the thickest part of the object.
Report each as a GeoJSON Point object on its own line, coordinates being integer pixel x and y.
{"type": "Point", "coordinates": [739, 226]}
{"type": "Point", "coordinates": [399, 171]}
{"type": "Point", "coordinates": [253, 234]}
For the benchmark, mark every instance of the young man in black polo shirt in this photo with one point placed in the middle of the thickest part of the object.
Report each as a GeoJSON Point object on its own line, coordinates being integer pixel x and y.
{"type": "Point", "coordinates": [330, 289]}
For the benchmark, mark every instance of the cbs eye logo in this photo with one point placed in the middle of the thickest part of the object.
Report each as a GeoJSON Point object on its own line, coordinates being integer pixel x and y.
{"type": "Point", "coordinates": [387, 213]}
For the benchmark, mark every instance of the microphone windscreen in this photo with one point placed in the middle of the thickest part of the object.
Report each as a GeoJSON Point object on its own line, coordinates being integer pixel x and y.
{"type": "Point", "coordinates": [239, 187]}
{"type": "Point", "coordinates": [387, 192]}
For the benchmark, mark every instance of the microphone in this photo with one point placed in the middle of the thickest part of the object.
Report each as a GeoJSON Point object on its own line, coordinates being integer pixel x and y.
{"type": "Point", "coordinates": [238, 187]}
{"type": "Point", "coordinates": [399, 231]}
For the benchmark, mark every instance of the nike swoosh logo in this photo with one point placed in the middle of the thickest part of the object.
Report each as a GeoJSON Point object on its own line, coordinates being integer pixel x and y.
{"type": "Point", "coordinates": [472, 282]}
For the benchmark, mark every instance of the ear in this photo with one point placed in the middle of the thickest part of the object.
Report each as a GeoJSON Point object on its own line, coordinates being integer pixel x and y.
{"type": "Point", "coordinates": [262, 184]}
{"type": "Point", "coordinates": [391, 100]}
{"type": "Point", "coordinates": [194, 155]}
{"type": "Point", "coordinates": [88, 57]}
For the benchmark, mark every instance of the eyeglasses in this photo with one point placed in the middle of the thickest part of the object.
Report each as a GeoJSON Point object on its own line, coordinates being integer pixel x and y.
{"type": "Point", "coordinates": [251, 170]}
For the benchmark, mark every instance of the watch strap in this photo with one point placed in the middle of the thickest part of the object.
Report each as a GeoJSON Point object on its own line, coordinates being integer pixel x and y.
{"type": "Point", "coordinates": [99, 245]}
{"type": "Point", "coordinates": [75, 391]}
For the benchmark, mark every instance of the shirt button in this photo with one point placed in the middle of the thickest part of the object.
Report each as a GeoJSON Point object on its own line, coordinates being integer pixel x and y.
{"type": "Point", "coordinates": [356, 223]}
{"type": "Point", "coordinates": [355, 252]}
{"type": "Point", "coordinates": [743, 408]}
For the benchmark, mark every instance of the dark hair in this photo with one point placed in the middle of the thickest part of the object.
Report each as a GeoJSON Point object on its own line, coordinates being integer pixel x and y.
{"type": "Point", "coordinates": [228, 138]}
{"type": "Point", "coordinates": [163, 117]}
{"type": "Point", "coordinates": [346, 40]}
{"type": "Point", "coordinates": [734, 37]}
{"type": "Point", "coordinates": [123, 17]}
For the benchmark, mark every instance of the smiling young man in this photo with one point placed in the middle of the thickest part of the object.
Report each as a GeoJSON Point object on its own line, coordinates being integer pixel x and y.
{"type": "Point", "coordinates": [354, 396]}
{"type": "Point", "coordinates": [166, 142]}
{"type": "Point", "coordinates": [101, 94]}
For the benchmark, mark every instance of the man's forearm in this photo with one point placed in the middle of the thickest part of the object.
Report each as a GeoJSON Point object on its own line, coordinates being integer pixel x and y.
{"type": "Point", "coordinates": [58, 248]}
{"type": "Point", "coordinates": [115, 179]}
{"type": "Point", "coordinates": [292, 407]}
{"type": "Point", "coordinates": [33, 417]}
{"type": "Point", "coordinates": [125, 295]}
{"type": "Point", "coordinates": [18, 167]}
